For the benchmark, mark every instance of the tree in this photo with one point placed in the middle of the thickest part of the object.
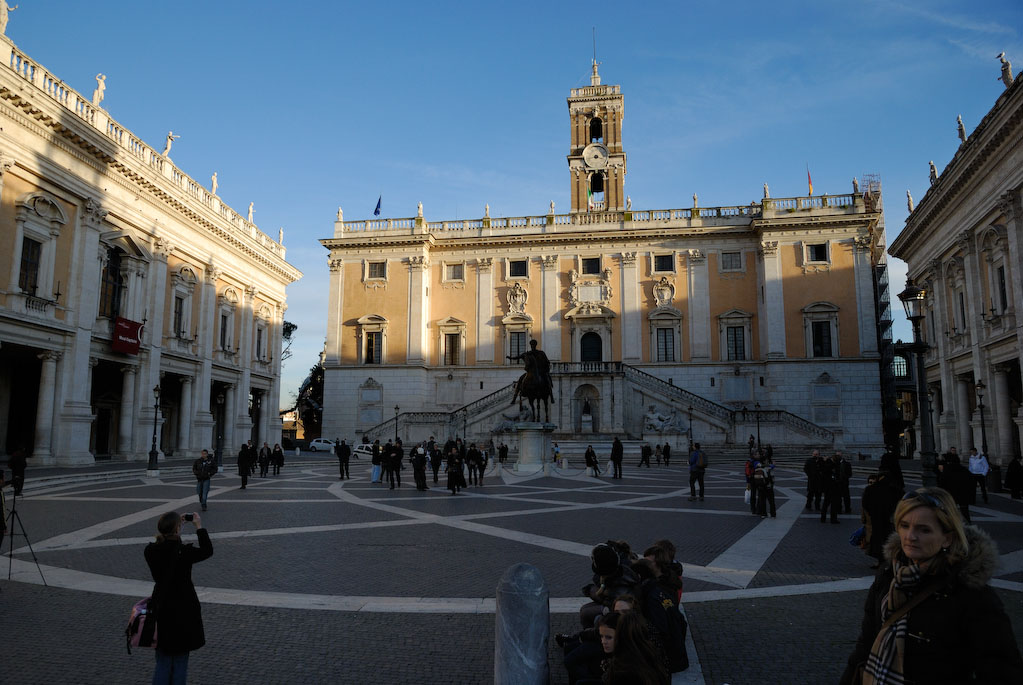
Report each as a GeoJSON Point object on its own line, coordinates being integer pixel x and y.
{"type": "Point", "coordinates": [286, 333]}
{"type": "Point", "coordinates": [310, 402]}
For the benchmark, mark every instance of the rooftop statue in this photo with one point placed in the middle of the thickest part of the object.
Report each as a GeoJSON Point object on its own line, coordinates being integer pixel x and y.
{"type": "Point", "coordinates": [214, 184]}
{"type": "Point", "coordinates": [251, 210]}
{"type": "Point", "coordinates": [170, 139]}
{"type": "Point", "coordinates": [628, 203]}
{"type": "Point", "coordinates": [280, 235]}
{"type": "Point", "coordinates": [767, 191]}
{"type": "Point", "coordinates": [856, 186]}
{"type": "Point", "coordinates": [340, 215]}
{"type": "Point", "coordinates": [960, 128]}
{"type": "Point", "coordinates": [909, 201]}
{"type": "Point", "coordinates": [4, 17]}
{"type": "Point", "coordinates": [486, 211]}
{"type": "Point", "coordinates": [1006, 64]}
{"type": "Point", "coordinates": [934, 172]}
{"type": "Point", "coordinates": [419, 210]}
{"type": "Point", "coordinates": [101, 85]}
{"type": "Point", "coordinates": [696, 202]}
{"type": "Point", "coordinates": [552, 206]}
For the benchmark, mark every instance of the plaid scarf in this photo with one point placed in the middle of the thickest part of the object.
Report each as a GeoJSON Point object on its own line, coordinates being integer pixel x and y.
{"type": "Point", "coordinates": [885, 665]}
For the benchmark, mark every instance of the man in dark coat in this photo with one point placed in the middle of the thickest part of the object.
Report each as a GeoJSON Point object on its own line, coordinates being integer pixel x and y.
{"type": "Point", "coordinates": [344, 454]}
{"type": "Point", "coordinates": [831, 485]}
{"type": "Point", "coordinates": [617, 455]}
{"type": "Point", "coordinates": [174, 604]}
{"type": "Point", "coordinates": [844, 475]}
{"type": "Point", "coordinates": [957, 480]}
{"type": "Point", "coordinates": [666, 452]}
{"type": "Point", "coordinates": [394, 464]}
{"type": "Point", "coordinates": [203, 469]}
{"type": "Point", "coordinates": [812, 469]}
{"type": "Point", "coordinates": [243, 465]}
{"type": "Point", "coordinates": [879, 502]}
{"type": "Point", "coordinates": [644, 455]}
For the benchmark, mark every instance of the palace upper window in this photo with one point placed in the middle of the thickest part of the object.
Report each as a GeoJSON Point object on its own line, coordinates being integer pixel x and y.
{"type": "Point", "coordinates": [664, 263]}
{"type": "Point", "coordinates": [518, 268]}
{"type": "Point", "coordinates": [111, 286]}
{"type": "Point", "coordinates": [376, 270]}
{"type": "Point", "coordinates": [731, 261]}
{"type": "Point", "coordinates": [31, 251]}
{"type": "Point", "coordinates": [817, 252]}
{"type": "Point", "coordinates": [591, 266]}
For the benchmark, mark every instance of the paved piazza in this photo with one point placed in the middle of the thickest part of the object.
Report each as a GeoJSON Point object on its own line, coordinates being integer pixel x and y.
{"type": "Point", "coordinates": [320, 580]}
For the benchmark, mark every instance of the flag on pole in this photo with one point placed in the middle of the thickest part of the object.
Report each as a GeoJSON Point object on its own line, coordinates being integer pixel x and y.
{"type": "Point", "coordinates": [376, 212]}
{"type": "Point", "coordinates": [589, 200]}
{"type": "Point", "coordinates": [809, 181]}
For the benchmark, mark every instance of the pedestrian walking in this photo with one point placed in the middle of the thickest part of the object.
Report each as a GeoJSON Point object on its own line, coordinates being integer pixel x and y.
{"type": "Point", "coordinates": [264, 460]}
{"type": "Point", "coordinates": [174, 604]}
{"type": "Point", "coordinates": [697, 469]}
{"type": "Point", "coordinates": [644, 455]}
{"type": "Point", "coordinates": [393, 464]}
{"type": "Point", "coordinates": [555, 453]}
{"type": "Point", "coordinates": [666, 453]}
{"type": "Point", "coordinates": [502, 453]}
{"type": "Point", "coordinates": [879, 501]}
{"type": "Point", "coordinates": [979, 468]}
{"type": "Point", "coordinates": [1014, 477]}
{"type": "Point", "coordinates": [763, 481]}
{"type": "Point", "coordinates": [844, 476]}
{"type": "Point", "coordinates": [957, 481]}
{"type": "Point", "coordinates": [344, 453]}
{"type": "Point", "coordinates": [252, 457]}
{"type": "Point", "coordinates": [658, 453]}
{"type": "Point", "coordinates": [617, 455]}
{"type": "Point", "coordinates": [812, 468]}
{"type": "Point", "coordinates": [377, 460]}
{"type": "Point", "coordinates": [419, 460]}
{"type": "Point", "coordinates": [243, 465]}
{"type": "Point", "coordinates": [830, 482]}
{"type": "Point", "coordinates": [203, 468]}
{"type": "Point", "coordinates": [277, 458]}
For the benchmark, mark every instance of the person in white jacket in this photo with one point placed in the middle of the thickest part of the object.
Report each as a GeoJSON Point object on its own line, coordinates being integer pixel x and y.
{"type": "Point", "coordinates": [979, 468]}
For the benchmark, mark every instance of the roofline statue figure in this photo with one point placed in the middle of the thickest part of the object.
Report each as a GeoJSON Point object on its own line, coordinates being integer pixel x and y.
{"type": "Point", "coordinates": [4, 16]}
{"type": "Point", "coordinates": [535, 384]}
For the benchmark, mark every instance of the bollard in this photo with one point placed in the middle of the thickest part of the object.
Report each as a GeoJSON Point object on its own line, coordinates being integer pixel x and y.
{"type": "Point", "coordinates": [522, 627]}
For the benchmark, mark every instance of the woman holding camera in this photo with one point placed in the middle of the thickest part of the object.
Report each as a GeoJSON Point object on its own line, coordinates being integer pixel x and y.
{"type": "Point", "coordinates": [931, 616]}
{"type": "Point", "coordinates": [174, 604]}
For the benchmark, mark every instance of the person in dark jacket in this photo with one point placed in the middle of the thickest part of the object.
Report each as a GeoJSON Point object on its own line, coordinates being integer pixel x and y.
{"type": "Point", "coordinates": [344, 454]}
{"type": "Point", "coordinates": [590, 459]}
{"type": "Point", "coordinates": [890, 463]}
{"type": "Point", "coordinates": [243, 465]}
{"type": "Point", "coordinates": [393, 463]}
{"type": "Point", "coordinates": [612, 578]}
{"type": "Point", "coordinates": [1014, 477]}
{"type": "Point", "coordinates": [666, 452]}
{"type": "Point", "coordinates": [830, 475]}
{"type": "Point", "coordinates": [264, 460]}
{"type": "Point", "coordinates": [844, 470]}
{"type": "Point", "coordinates": [617, 455]}
{"type": "Point", "coordinates": [812, 469]}
{"type": "Point", "coordinates": [879, 501]}
{"type": "Point", "coordinates": [174, 604]}
{"type": "Point", "coordinates": [203, 468]}
{"type": "Point", "coordinates": [644, 455]}
{"type": "Point", "coordinates": [277, 459]}
{"type": "Point", "coordinates": [456, 478]}
{"type": "Point", "coordinates": [958, 631]}
{"type": "Point", "coordinates": [662, 614]}
{"type": "Point", "coordinates": [957, 481]}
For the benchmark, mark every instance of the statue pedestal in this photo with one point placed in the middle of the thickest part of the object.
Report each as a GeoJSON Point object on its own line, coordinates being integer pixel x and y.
{"type": "Point", "coordinates": [587, 423]}
{"type": "Point", "coordinates": [534, 441]}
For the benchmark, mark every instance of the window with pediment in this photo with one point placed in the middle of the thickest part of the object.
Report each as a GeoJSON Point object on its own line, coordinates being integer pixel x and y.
{"type": "Point", "coordinates": [371, 335]}
{"type": "Point", "coordinates": [820, 326]}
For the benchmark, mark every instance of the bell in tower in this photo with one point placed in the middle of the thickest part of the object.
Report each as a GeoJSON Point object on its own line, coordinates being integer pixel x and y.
{"type": "Point", "coordinates": [596, 159]}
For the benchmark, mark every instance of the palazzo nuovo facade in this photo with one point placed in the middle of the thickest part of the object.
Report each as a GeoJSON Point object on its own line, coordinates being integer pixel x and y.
{"type": "Point", "coordinates": [656, 321]}
{"type": "Point", "coordinates": [120, 273]}
{"type": "Point", "coordinates": [964, 245]}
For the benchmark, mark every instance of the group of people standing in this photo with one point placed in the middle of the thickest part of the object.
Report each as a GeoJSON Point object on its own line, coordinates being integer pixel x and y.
{"type": "Point", "coordinates": [249, 457]}
{"type": "Point", "coordinates": [827, 485]}
{"type": "Point", "coordinates": [455, 456]}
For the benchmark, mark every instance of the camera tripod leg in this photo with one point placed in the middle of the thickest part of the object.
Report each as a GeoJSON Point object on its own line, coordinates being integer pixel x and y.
{"type": "Point", "coordinates": [14, 515]}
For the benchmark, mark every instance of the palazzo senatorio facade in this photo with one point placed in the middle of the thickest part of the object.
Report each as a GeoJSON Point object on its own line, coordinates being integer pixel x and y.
{"type": "Point", "coordinates": [656, 321]}
{"type": "Point", "coordinates": [120, 273]}
{"type": "Point", "coordinates": [964, 245]}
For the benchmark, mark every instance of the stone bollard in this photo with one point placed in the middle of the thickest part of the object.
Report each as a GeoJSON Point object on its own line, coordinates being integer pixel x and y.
{"type": "Point", "coordinates": [522, 627]}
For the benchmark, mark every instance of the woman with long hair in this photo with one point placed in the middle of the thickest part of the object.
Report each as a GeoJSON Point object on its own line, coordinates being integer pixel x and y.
{"type": "Point", "coordinates": [634, 659]}
{"type": "Point", "coordinates": [931, 616]}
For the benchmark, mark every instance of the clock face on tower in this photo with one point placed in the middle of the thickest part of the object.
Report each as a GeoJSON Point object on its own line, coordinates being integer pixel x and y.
{"type": "Point", "coordinates": [595, 156]}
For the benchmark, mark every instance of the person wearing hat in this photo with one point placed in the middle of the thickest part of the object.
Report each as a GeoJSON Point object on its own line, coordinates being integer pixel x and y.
{"type": "Point", "coordinates": [611, 579]}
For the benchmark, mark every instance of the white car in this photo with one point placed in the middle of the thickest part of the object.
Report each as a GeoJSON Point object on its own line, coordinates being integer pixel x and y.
{"type": "Point", "coordinates": [363, 450]}
{"type": "Point", "coordinates": [321, 444]}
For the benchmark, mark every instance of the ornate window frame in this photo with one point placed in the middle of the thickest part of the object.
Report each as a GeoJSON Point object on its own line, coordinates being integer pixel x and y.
{"type": "Point", "coordinates": [996, 256]}
{"type": "Point", "coordinates": [508, 265]}
{"type": "Point", "coordinates": [817, 312]}
{"type": "Point", "coordinates": [227, 305]}
{"type": "Point", "coordinates": [735, 317]}
{"type": "Point", "coordinates": [183, 284]}
{"type": "Point", "coordinates": [653, 263]}
{"type": "Point", "coordinates": [515, 322]}
{"type": "Point", "coordinates": [583, 257]}
{"type": "Point", "coordinates": [817, 265]}
{"type": "Point", "coordinates": [450, 326]}
{"type": "Point", "coordinates": [263, 325]}
{"type": "Point", "coordinates": [721, 262]}
{"type": "Point", "coordinates": [453, 281]}
{"type": "Point", "coordinates": [370, 323]}
{"type": "Point", "coordinates": [38, 217]}
{"type": "Point", "coordinates": [374, 281]}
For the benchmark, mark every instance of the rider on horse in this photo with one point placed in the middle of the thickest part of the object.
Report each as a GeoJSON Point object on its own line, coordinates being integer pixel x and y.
{"type": "Point", "coordinates": [538, 369]}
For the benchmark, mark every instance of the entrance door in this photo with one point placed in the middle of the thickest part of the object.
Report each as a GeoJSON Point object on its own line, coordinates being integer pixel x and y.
{"type": "Point", "coordinates": [590, 348]}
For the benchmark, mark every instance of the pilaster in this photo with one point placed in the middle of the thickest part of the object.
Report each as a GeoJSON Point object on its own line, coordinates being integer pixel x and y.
{"type": "Point", "coordinates": [419, 267]}
{"type": "Point", "coordinates": [335, 314]}
{"type": "Point", "coordinates": [772, 303]}
{"type": "Point", "coordinates": [864, 283]}
{"type": "Point", "coordinates": [486, 324]}
{"type": "Point", "coordinates": [550, 296]}
{"type": "Point", "coordinates": [632, 339]}
{"type": "Point", "coordinates": [699, 304]}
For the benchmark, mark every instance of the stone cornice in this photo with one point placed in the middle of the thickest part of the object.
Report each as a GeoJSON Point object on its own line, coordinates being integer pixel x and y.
{"type": "Point", "coordinates": [968, 161]}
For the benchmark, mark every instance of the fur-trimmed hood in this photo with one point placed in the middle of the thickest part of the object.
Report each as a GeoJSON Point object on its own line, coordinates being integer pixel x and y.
{"type": "Point", "coordinates": [975, 570]}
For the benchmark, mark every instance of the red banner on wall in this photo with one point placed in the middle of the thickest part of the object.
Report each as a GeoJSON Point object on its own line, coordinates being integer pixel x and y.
{"type": "Point", "coordinates": [127, 336]}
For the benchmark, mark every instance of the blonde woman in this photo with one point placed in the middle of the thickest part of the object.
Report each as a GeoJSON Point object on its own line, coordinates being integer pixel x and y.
{"type": "Point", "coordinates": [931, 616]}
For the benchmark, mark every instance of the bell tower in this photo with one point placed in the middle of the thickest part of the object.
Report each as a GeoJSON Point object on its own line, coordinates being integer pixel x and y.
{"type": "Point", "coordinates": [596, 160]}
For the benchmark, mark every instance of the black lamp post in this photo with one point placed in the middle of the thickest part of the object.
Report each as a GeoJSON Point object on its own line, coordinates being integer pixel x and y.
{"type": "Point", "coordinates": [980, 406]}
{"type": "Point", "coordinates": [930, 413]}
{"type": "Point", "coordinates": [220, 432]}
{"type": "Point", "coordinates": [913, 302]}
{"type": "Point", "coordinates": [690, 428]}
{"type": "Point", "coordinates": [154, 467]}
{"type": "Point", "coordinates": [757, 407]}
{"type": "Point", "coordinates": [396, 410]}
{"type": "Point", "coordinates": [465, 423]}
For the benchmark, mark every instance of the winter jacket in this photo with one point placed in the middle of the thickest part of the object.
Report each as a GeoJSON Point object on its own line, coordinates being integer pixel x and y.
{"type": "Point", "coordinates": [959, 634]}
{"type": "Point", "coordinates": [174, 603]}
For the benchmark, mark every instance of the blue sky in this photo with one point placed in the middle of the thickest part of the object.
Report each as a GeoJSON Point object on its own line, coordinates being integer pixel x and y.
{"type": "Point", "coordinates": [304, 106]}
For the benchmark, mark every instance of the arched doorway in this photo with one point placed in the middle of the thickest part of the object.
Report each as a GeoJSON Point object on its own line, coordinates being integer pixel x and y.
{"type": "Point", "coordinates": [590, 348]}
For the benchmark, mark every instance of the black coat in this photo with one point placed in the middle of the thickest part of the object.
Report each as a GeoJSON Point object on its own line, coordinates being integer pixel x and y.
{"type": "Point", "coordinates": [243, 461]}
{"type": "Point", "coordinates": [959, 633]}
{"type": "Point", "coordinates": [175, 604]}
{"type": "Point", "coordinates": [879, 502]}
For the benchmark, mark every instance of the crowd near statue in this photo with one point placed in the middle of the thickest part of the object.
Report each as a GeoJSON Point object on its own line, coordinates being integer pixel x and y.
{"type": "Point", "coordinates": [4, 16]}
{"type": "Point", "coordinates": [1006, 64]}
{"type": "Point", "coordinates": [101, 86]}
{"type": "Point", "coordinates": [535, 384]}
{"type": "Point", "coordinates": [170, 140]}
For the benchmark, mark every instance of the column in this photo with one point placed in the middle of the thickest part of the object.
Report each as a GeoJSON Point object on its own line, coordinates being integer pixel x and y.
{"type": "Point", "coordinates": [41, 453]}
{"type": "Point", "coordinates": [151, 372]}
{"type": "Point", "coordinates": [699, 305]}
{"type": "Point", "coordinates": [127, 415]}
{"type": "Point", "coordinates": [1009, 205]}
{"type": "Point", "coordinates": [245, 361]}
{"type": "Point", "coordinates": [273, 402]}
{"type": "Point", "coordinates": [185, 416]}
{"type": "Point", "coordinates": [335, 318]}
{"type": "Point", "coordinates": [231, 444]}
{"type": "Point", "coordinates": [418, 312]}
{"type": "Point", "coordinates": [863, 278]}
{"type": "Point", "coordinates": [965, 436]}
{"type": "Point", "coordinates": [1000, 402]}
{"type": "Point", "coordinates": [265, 406]}
{"type": "Point", "coordinates": [632, 325]}
{"type": "Point", "coordinates": [550, 327]}
{"type": "Point", "coordinates": [772, 303]}
{"type": "Point", "coordinates": [485, 322]}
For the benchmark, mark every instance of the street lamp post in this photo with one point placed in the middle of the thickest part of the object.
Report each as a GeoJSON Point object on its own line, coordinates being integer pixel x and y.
{"type": "Point", "coordinates": [757, 407]}
{"type": "Point", "coordinates": [154, 466]}
{"type": "Point", "coordinates": [220, 432]}
{"type": "Point", "coordinates": [690, 428]}
{"type": "Point", "coordinates": [913, 302]}
{"type": "Point", "coordinates": [980, 406]}
{"type": "Point", "coordinates": [396, 410]}
{"type": "Point", "coordinates": [465, 423]}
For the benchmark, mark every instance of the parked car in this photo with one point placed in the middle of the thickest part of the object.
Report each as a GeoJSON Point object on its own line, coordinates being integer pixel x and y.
{"type": "Point", "coordinates": [321, 444]}
{"type": "Point", "coordinates": [363, 450]}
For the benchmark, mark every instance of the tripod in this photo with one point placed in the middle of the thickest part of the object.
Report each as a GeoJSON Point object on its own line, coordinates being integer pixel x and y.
{"type": "Point", "coordinates": [11, 518]}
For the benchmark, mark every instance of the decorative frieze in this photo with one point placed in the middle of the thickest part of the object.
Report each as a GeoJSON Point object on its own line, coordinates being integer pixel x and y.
{"type": "Point", "coordinates": [768, 248]}
{"type": "Point", "coordinates": [628, 258]}
{"type": "Point", "coordinates": [485, 264]}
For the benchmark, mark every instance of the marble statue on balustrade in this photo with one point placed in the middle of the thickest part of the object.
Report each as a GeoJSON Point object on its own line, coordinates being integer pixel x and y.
{"type": "Point", "coordinates": [251, 210]}
{"type": "Point", "coordinates": [101, 86]}
{"type": "Point", "coordinates": [486, 211]}
{"type": "Point", "coordinates": [960, 129]}
{"type": "Point", "coordinates": [909, 201]}
{"type": "Point", "coordinates": [280, 236]}
{"type": "Point", "coordinates": [517, 297]}
{"type": "Point", "coordinates": [934, 172]}
{"type": "Point", "coordinates": [696, 201]}
{"type": "Point", "coordinates": [214, 183]}
{"type": "Point", "coordinates": [856, 186]}
{"type": "Point", "coordinates": [170, 140]}
{"type": "Point", "coordinates": [340, 214]}
{"type": "Point", "coordinates": [419, 210]}
{"type": "Point", "coordinates": [4, 15]}
{"type": "Point", "coordinates": [628, 203]}
{"type": "Point", "coordinates": [1006, 68]}
{"type": "Point", "coordinates": [767, 191]}
{"type": "Point", "coordinates": [552, 206]}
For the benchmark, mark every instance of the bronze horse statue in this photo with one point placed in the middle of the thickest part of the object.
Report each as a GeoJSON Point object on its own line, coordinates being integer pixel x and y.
{"type": "Point", "coordinates": [535, 384]}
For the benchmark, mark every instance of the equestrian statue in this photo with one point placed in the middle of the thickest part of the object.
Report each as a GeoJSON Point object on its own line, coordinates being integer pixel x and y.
{"type": "Point", "coordinates": [535, 384]}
